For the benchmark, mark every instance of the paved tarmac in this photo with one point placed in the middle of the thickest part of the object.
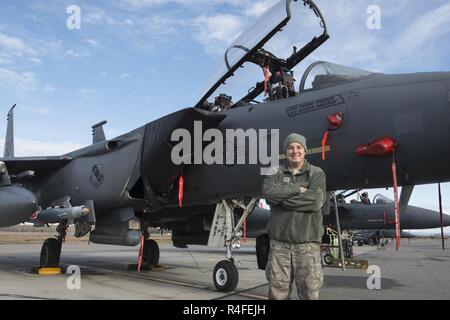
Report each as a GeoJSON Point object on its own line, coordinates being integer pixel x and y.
{"type": "Point", "coordinates": [420, 270]}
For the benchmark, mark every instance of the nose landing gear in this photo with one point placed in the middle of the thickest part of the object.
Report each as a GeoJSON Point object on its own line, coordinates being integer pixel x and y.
{"type": "Point", "coordinates": [225, 276]}
{"type": "Point", "coordinates": [225, 232]}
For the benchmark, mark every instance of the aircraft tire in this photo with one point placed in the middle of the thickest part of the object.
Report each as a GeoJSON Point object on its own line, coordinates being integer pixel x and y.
{"type": "Point", "coordinates": [328, 259]}
{"type": "Point", "coordinates": [151, 253]}
{"type": "Point", "coordinates": [50, 253]}
{"type": "Point", "coordinates": [226, 276]}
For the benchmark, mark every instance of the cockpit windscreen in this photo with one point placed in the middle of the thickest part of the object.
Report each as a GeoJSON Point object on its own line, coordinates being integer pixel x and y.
{"type": "Point", "coordinates": [323, 74]}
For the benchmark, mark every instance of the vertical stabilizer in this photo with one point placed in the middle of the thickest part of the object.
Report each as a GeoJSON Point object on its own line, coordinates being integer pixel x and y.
{"type": "Point", "coordinates": [97, 132]}
{"type": "Point", "coordinates": [9, 139]}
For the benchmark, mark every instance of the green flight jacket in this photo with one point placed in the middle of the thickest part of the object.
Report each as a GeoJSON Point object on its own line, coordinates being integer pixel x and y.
{"type": "Point", "coordinates": [296, 217]}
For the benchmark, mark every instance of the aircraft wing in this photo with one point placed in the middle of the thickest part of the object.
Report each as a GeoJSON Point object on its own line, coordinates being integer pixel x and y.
{"type": "Point", "coordinates": [40, 165]}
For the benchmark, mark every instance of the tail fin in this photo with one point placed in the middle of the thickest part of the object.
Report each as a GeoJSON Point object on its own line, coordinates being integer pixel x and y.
{"type": "Point", "coordinates": [97, 132]}
{"type": "Point", "coordinates": [9, 140]}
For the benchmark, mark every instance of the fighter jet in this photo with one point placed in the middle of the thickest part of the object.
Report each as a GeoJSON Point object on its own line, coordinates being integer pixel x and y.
{"type": "Point", "coordinates": [378, 215]}
{"type": "Point", "coordinates": [179, 172]}
{"type": "Point", "coordinates": [376, 237]}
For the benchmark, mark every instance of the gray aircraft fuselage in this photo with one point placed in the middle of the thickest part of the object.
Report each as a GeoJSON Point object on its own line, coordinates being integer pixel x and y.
{"type": "Point", "coordinates": [414, 109]}
{"type": "Point", "coordinates": [121, 175]}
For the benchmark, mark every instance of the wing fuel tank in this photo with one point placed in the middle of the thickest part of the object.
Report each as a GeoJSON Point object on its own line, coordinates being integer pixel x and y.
{"type": "Point", "coordinates": [16, 205]}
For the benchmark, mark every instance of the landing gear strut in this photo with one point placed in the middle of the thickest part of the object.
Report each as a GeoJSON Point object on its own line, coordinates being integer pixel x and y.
{"type": "Point", "coordinates": [225, 232]}
{"type": "Point", "coordinates": [51, 249]}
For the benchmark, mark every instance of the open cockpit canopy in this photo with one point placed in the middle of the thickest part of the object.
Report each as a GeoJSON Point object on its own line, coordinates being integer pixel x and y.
{"type": "Point", "coordinates": [253, 48]}
{"type": "Point", "coordinates": [380, 199]}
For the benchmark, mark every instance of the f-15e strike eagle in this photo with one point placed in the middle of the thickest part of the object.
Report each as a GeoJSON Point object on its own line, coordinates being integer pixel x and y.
{"type": "Point", "coordinates": [122, 186]}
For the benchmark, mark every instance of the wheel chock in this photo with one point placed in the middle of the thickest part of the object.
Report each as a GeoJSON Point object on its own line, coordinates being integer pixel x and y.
{"type": "Point", "coordinates": [49, 271]}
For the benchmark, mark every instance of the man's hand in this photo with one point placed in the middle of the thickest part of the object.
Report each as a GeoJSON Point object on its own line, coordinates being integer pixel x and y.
{"type": "Point", "coordinates": [303, 189]}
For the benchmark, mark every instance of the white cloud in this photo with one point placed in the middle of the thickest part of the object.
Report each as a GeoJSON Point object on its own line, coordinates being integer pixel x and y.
{"type": "Point", "coordinates": [78, 53]}
{"type": "Point", "coordinates": [35, 61]}
{"type": "Point", "coordinates": [48, 89]}
{"type": "Point", "coordinates": [29, 148]}
{"type": "Point", "coordinates": [5, 58]}
{"type": "Point", "coordinates": [141, 4]}
{"type": "Point", "coordinates": [257, 8]}
{"type": "Point", "coordinates": [159, 25]}
{"type": "Point", "coordinates": [350, 43]}
{"type": "Point", "coordinates": [128, 22]}
{"type": "Point", "coordinates": [411, 33]}
{"type": "Point", "coordinates": [400, 7]}
{"type": "Point", "coordinates": [98, 16]}
{"type": "Point", "coordinates": [16, 50]}
{"type": "Point", "coordinates": [87, 93]}
{"type": "Point", "coordinates": [125, 75]}
{"type": "Point", "coordinates": [423, 34]}
{"type": "Point", "coordinates": [39, 111]}
{"type": "Point", "coordinates": [15, 46]}
{"type": "Point", "coordinates": [181, 58]}
{"type": "Point", "coordinates": [14, 80]}
{"type": "Point", "coordinates": [49, 46]}
{"type": "Point", "coordinates": [92, 42]}
{"type": "Point", "coordinates": [216, 32]}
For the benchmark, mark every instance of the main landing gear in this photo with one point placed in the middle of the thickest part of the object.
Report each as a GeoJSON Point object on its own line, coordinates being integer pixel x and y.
{"type": "Point", "coordinates": [51, 249]}
{"type": "Point", "coordinates": [149, 251]}
{"type": "Point", "coordinates": [224, 232]}
{"type": "Point", "coordinates": [150, 256]}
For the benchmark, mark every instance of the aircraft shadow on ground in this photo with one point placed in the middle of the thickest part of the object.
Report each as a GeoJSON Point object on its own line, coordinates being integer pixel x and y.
{"type": "Point", "coordinates": [357, 282]}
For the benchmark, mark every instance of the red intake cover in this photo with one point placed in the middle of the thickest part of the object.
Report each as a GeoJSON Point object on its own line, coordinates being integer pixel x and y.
{"type": "Point", "coordinates": [379, 147]}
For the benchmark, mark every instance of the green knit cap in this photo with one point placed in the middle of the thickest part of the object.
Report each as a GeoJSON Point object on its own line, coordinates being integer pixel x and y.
{"type": "Point", "coordinates": [294, 137]}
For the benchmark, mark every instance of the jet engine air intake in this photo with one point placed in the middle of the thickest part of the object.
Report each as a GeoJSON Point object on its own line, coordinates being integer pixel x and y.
{"type": "Point", "coordinates": [104, 147]}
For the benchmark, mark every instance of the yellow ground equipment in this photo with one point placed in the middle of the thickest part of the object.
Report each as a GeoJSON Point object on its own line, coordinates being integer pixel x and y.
{"type": "Point", "coordinates": [330, 251]}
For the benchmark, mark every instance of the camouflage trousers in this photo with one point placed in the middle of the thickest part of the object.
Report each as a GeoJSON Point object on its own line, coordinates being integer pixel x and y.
{"type": "Point", "coordinates": [288, 262]}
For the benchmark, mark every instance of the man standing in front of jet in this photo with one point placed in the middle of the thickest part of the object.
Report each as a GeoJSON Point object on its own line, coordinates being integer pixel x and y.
{"type": "Point", "coordinates": [296, 194]}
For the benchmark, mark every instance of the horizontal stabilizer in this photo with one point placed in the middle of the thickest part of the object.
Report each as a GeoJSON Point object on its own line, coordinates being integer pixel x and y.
{"type": "Point", "coordinates": [40, 165]}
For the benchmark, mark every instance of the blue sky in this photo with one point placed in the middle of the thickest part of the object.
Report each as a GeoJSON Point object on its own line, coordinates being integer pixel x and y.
{"type": "Point", "coordinates": [133, 61]}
